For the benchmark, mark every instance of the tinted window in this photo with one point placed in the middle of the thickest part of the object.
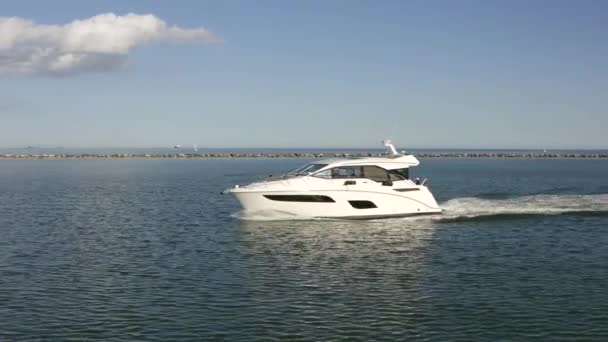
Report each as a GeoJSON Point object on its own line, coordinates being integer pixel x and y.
{"type": "Point", "coordinates": [362, 204]}
{"type": "Point", "coordinates": [375, 173]}
{"type": "Point", "coordinates": [323, 174]}
{"type": "Point", "coordinates": [300, 198]}
{"type": "Point", "coordinates": [395, 177]}
{"type": "Point", "coordinates": [405, 173]}
{"type": "Point", "coordinates": [307, 169]}
{"type": "Point", "coordinates": [347, 172]}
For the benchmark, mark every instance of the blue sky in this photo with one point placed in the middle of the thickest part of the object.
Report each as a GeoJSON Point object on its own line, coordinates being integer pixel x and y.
{"type": "Point", "coordinates": [478, 74]}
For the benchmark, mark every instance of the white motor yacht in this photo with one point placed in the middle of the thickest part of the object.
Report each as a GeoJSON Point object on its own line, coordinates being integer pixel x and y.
{"type": "Point", "coordinates": [353, 188]}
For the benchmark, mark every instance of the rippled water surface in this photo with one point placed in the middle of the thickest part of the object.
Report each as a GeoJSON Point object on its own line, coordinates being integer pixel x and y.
{"type": "Point", "coordinates": [151, 250]}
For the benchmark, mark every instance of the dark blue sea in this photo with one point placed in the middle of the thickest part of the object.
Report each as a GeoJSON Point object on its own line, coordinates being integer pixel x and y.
{"type": "Point", "coordinates": [150, 250]}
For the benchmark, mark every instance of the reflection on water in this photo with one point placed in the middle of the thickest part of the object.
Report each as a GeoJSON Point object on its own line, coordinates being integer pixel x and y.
{"type": "Point", "coordinates": [328, 278]}
{"type": "Point", "coordinates": [376, 245]}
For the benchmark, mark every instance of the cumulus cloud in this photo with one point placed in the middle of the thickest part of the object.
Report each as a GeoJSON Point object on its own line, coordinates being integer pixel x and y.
{"type": "Point", "coordinates": [99, 43]}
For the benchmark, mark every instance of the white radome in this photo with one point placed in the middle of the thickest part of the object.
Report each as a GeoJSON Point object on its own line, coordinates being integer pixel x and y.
{"type": "Point", "coordinates": [356, 188]}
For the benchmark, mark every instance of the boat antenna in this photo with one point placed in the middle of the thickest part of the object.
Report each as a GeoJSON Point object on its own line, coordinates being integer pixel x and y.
{"type": "Point", "coordinates": [391, 148]}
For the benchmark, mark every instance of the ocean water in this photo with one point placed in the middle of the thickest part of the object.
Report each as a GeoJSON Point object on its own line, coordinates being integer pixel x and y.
{"type": "Point", "coordinates": [151, 250]}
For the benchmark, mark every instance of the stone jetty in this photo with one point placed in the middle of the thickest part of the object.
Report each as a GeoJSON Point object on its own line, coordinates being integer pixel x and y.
{"type": "Point", "coordinates": [300, 155]}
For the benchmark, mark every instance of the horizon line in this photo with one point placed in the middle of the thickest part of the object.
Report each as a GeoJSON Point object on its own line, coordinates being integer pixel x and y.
{"type": "Point", "coordinates": [189, 147]}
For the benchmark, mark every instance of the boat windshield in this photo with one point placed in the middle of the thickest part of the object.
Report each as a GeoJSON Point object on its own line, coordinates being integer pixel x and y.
{"type": "Point", "coordinates": [306, 169]}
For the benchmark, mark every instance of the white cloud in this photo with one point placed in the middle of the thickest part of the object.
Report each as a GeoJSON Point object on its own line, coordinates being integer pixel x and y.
{"type": "Point", "coordinates": [99, 43]}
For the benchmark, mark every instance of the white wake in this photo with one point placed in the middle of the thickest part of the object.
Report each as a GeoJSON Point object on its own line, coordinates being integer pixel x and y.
{"type": "Point", "coordinates": [532, 205]}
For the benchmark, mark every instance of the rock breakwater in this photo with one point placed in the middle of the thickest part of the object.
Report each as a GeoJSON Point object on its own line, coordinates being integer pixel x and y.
{"type": "Point", "coordinates": [298, 155]}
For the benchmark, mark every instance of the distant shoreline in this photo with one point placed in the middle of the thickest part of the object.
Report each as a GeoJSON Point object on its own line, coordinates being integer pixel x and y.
{"type": "Point", "coordinates": [296, 155]}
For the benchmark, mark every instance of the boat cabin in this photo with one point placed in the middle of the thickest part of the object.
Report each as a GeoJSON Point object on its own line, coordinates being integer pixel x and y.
{"type": "Point", "coordinates": [376, 169]}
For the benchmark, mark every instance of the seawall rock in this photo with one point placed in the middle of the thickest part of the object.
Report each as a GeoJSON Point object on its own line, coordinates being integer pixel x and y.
{"type": "Point", "coordinates": [301, 155]}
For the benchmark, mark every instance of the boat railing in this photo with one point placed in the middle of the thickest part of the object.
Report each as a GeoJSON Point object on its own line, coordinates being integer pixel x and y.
{"type": "Point", "coordinates": [422, 182]}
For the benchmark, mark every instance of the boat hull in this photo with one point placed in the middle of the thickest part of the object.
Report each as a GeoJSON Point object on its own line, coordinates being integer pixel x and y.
{"type": "Point", "coordinates": [343, 204]}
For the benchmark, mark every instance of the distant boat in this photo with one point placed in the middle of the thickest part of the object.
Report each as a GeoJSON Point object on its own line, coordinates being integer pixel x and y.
{"type": "Point", "coordinates": [177, 146]}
